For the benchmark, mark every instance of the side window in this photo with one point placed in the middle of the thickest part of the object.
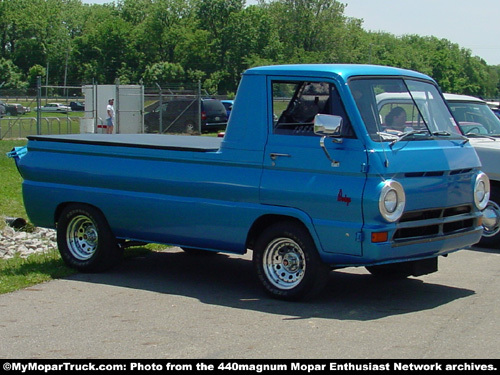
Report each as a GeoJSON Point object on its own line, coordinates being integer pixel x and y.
{"type": "Point", "coordinates": [296, 103]}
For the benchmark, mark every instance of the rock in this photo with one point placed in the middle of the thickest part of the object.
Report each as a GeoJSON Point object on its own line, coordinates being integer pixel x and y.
{"type": "Point", "coordinates": [25, 243]}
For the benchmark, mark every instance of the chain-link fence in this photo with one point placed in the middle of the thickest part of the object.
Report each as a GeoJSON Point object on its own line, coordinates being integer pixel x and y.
{"type": "Point", "coordinates": [21, 127]}
{"type": "Point", "coordinates": [20, 116]}
{"type": "Point", "coordinates": [62, 110]}
{"type": "Point", "coordinates": [182, 110]}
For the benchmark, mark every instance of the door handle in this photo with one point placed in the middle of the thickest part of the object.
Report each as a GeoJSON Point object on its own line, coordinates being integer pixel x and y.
{"type": "Point", "coordinates": [275, 155]}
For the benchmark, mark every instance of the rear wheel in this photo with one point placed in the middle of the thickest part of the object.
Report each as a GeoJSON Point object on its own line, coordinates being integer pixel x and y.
{"type": "Point", "coordinates": [287, 262]}
{"type": "Point", "coordinates": [85, 239]}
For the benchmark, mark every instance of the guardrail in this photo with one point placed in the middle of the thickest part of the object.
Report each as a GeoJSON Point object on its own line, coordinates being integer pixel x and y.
{"type": "Point", "coordinates": [21, 127]}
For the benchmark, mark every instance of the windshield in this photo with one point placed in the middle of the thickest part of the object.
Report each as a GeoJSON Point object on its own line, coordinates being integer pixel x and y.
{"type": "Point", "coordinates": [475, 118]}
{"type": "Point", "coordinates": [397, 107]}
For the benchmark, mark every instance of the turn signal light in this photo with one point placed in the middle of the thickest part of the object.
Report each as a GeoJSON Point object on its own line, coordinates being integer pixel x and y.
{"type": "Point", "coordinates": [380, 237]}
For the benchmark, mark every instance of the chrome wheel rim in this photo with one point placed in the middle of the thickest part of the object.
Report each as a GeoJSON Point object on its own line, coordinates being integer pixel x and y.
{"type": "Point", "coordinates": [284, 263]}
{"type": "Point", "coordinates": [82, 237]}
{"type": "Point", "coordinates": [491, 219]}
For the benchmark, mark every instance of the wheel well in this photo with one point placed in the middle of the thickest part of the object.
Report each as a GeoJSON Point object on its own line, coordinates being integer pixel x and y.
{"type": "Point", "coordinates": [265, 221]}
{"type": "Point", "coordinates": [62, 206]}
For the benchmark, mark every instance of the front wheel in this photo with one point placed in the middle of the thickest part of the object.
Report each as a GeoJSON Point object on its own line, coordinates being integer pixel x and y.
{"type": "Point", "coordinates": [287, 262]}
{"type": "Point", "coordinates": [85, 239]}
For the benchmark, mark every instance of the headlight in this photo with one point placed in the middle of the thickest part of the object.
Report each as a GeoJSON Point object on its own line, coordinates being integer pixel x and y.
{"type": "Point", "coordinates": [392, 201]}
{"type": "Point", "coordinates": [481, 191]}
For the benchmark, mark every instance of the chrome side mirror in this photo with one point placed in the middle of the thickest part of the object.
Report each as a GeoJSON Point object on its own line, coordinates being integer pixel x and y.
{"type": "Point", "coordinates": [328, 126]}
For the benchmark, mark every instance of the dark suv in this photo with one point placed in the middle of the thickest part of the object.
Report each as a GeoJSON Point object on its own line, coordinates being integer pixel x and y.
{"type": "Point", "coordinates": [181, 116]}
{"type": "Point", "coordinates": [77, 106]}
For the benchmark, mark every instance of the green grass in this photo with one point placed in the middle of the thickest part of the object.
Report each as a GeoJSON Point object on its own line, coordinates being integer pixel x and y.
{"type": "Point", "coordinates": [11, 201]}
{"type": "Point", "coordinates": [17, 273]}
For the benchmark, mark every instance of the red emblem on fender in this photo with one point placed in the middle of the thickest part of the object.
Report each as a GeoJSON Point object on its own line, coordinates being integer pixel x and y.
{"type": "Point", "coordinates": [343, 198]}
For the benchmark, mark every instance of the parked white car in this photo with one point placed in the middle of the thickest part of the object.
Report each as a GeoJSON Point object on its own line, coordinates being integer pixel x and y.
{"type": "Point", "coordinates": [478, 122]}
{"type": "Point", "coordinates": [54, 107]}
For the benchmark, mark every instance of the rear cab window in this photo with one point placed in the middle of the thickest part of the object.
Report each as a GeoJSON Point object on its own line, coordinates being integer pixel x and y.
{"type": "Point", "coordinates": [296, 103]}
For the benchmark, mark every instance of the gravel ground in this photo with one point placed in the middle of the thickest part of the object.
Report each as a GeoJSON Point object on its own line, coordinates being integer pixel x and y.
{"type": "Point", "coordinates": [14, 242]}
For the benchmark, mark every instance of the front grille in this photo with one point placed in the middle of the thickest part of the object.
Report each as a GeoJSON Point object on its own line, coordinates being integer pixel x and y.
{"type": "Point", "coordinates": [423, 224]}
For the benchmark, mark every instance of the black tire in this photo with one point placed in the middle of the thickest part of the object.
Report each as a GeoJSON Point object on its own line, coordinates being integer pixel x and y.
{"type": "Point", "coordinates": [85, 239]}
{"type": "Point", "coordinates": [491, 221]}
{"type": "Point", "coordinates": [287, 262]}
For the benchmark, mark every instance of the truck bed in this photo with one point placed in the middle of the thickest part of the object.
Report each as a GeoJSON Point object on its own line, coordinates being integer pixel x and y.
{"type": "Point", "coordinates": [154, 141]}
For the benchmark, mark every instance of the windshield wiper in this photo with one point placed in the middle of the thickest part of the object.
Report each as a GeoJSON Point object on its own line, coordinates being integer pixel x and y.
{"type": "Point", "coordinates": [448, 134]}
{"type": "Point", "coordinates": [442, 132]}
{"type": "Point", "coordinates": [406, 135]}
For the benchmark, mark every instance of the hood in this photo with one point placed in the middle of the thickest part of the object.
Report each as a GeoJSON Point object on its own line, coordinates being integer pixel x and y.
{"type": "Point", "coordinates": [434, 173]}
{"type": "Point", "coordinates": [488, 151]}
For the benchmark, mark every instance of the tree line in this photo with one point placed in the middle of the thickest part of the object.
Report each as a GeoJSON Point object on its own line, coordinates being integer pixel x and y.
{"type": "Point", "coordinates": [67, 42]}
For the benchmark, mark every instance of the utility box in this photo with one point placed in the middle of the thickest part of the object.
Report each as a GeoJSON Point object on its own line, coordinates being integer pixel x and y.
{"type": "Point", "coordinates": [87, 125]}
{"type": "Point", "coordinates": [129, 104]}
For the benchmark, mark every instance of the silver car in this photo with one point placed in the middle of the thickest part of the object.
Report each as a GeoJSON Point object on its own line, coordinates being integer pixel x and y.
{"type": "Point", "coordinates": [55, 107]}
{"type": "Point", "coordinates": [478, 123]}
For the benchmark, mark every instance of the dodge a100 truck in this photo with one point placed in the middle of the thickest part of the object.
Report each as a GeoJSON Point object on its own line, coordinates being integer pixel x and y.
{"type": "Point", "coordinates": [308, 176]}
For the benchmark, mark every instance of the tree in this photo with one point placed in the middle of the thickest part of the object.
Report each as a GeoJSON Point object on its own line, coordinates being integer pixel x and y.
{"type": "Point", "coordinates": [213, 41]}
{"type": "Point", "coordinates": [163, 73]}
{"type": "Point", "coordinates": [33, 74]}
{"type": "Point", "coordinates": [310, 30]}
{"type": "Point", "coordinates": [10, 77]}
{"type": "Point", "coordinates": [105, 47]}
{"type": "Point", "coordinates": [253, 38]}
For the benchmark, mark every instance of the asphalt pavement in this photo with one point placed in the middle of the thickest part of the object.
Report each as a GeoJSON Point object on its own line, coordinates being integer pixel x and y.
{"type": "Point", "coordinates": [181, 306]}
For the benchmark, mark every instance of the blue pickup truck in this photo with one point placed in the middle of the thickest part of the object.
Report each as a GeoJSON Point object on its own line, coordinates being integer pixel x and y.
{"type": "Point", "coordinates": [309, 176]}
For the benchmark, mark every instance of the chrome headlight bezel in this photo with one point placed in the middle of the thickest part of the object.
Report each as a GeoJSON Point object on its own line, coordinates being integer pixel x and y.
{"type": "Point", "coordinates": [481, 191]}
{"type": "Point", "coordinates": [392, 201]}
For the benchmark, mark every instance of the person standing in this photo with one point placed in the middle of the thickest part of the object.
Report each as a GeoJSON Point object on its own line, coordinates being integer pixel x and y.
{"type": "Point", "coordinates": [110, 120]}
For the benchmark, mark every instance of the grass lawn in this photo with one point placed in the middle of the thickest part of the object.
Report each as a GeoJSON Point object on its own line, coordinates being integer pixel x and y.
{"type": "Point", "coordinates": [11, 201]}
{"type": "Point", "coordinates": [17, 272]}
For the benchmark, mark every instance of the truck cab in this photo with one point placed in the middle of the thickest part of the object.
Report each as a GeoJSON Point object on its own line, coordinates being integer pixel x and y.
{"type": "Point", "coordinates": [362, 182]}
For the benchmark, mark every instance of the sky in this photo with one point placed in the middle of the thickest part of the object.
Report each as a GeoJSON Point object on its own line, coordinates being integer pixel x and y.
{"type": "Point", "coordinates": [472, 24]}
